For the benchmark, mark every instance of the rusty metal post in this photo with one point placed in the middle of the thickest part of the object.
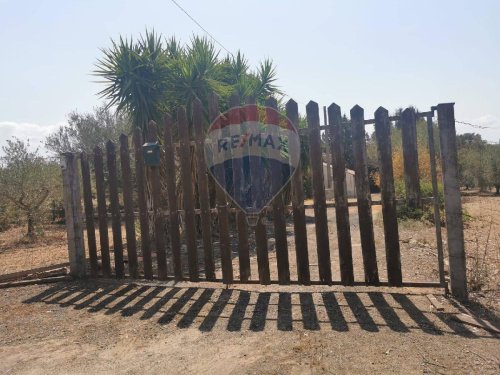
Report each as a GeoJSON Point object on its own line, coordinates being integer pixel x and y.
{"type": "Point", "coordinates": [73, 214]}
{"type": "Point", "coordinates": [452, 200]}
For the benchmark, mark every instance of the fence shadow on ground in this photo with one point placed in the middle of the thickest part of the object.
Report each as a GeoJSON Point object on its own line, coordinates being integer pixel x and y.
{"type": "Point", "coordinates": [239, 310]}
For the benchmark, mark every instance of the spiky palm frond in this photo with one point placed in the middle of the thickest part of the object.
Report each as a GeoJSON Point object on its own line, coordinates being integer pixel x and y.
{"type": "Point", "coordinates": [135, 75]}
{"type": "Point", "coordinates": [153, 75]}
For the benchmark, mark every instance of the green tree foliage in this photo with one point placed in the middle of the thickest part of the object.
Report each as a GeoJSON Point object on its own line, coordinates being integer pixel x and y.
{"type": "Point", "coordinates": [152, 75]}
{"type": "Point", "coordinates": [479, 162]}
{"type": "Point", "coordinates": [397, 157]}
{"type": "Point", "coordinates": [85, 131]}
{"type": "Point", "coordinates": [27, 182]}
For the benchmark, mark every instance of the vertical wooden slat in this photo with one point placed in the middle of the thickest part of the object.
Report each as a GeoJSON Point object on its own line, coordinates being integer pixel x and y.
{"type": "Point", "coordinates": [143, 209]}
{"type": "Point", "coordinates": [341, 199]}
{"type": "Point", "coordinates": [102, 212]}
{"type": "Point", "coordinates": [363, 195]}
{"type": "Point", "coordinates": [222, 209]}
{"type": "Point", "coordinates": [320, 214]}
{"type": "Point", "coordinates": [116, 222]}
{"type": "Point", "coordinates": [328, 154]}
{"type": "Point", "coordinates": [89, 214]}
{"type": "Point", "coordinates": [452, 200]}
{"type": "Point", "coordinates": [188, 194]}
{"type": "Point", "coordinates": [204, 197]}
{"type": "Point", "coordinates": [159, 222]}
{"type": "Point", "coordinates": [273, 117]}
{"type": "Point", "coordinates": [128, 203]}
{"type": "Point", "coordinates": [436, 203]}
{"type": "Point", "coordinates": [262, 251]}
{"type": "Point", "coordinates": [252, 114]}
{"type": "Point", "coordinates": [72, 206]}
{"type": "Point", "coordinates": [410, 157]}
{"type": "Point", "coordinates": [238, 184]}
{"type": "Point", "coordinates": [171, 172]}
{"type": "Point", "coordinates": [299, 216]}
{"type": "Point", "coordinates": [389, 209]}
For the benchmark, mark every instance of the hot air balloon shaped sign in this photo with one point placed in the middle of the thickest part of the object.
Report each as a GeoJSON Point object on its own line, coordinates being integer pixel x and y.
{"type": "Point", "coordinates": [252, 153]}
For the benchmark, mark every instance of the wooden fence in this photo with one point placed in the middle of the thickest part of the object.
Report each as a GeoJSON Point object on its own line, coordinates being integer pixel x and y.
{"type": "Point", "coordinates": [193, 239]}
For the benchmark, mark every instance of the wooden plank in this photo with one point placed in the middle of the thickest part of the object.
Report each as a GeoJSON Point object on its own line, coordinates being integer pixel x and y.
{"type": "Point", "coordinates": [252, 114]}
{"type": "Point", "coordinates": [116, 221]}
{"type": "Point", "coordinates": [222, 207]}
{"type": "Point", "coordinates": [452, 200]}
{"type": "Point", "coordinates": [101, 211]}
{"type": "Point", "coordinates": [273, 117]}
{"type": "Point", "coordinates": [475, 322]}
{"type": "Point", "coordinates": [262, 251]}
{"type": "Point", "coordinates": [328, 159]}
{"type": "Point", "coordinates": [299, 215]}
{"type": "Point", "coordinates": [320, 214]}
{"type": "Point", "coordinates": [435, 201]}
{"type": "Point", "coordinates": [410, 157]}
{"type": "Point", "coordinates": [340, 193]}
{"type": "Point", "coordinates": [204, 196]}
{"type": "Point", "coordinates": [89, 214]}
{"type": "Point", "coordinates": [364, 197]}
{"type": "Point", "coordinates": [171, 171]}
{"type": "Point", "coordinates": [142, 203]}
{"type": "Point", "coordinates": [33, 271]}
{"type": "Point", "coordinates": [72, 206]}
{"type": "Point", "coordinates": [159, 222]}
{"type": "Point", "coordinates": [47, 280]}
{"type": "Point", "coordinates": [128, 203]}
{"type": "Point", "coordinates": [187, 194]}
{"type": "Point", "coordinates": [434, 301]}
{"type": "Point", "coordinates": [238, 182]}
{"type": "Point", "coordinates": [389, 207]}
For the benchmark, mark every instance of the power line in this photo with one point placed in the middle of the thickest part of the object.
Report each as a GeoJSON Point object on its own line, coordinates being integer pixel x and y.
{"type": "Point", "coordinates": [476, 126]}
{"type": "Point", "coordinates": [201, 27]}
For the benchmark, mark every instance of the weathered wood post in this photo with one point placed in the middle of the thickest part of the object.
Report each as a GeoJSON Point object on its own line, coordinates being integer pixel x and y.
{"type": "Point", "coordinates": [364, 196]}
{"type": "Point", "coordinates": [389, 210]}
{"type": "Point", "coordinates": [452, 200]}
{"type": "Point", "coordinates": [299, 215]}
{"type": "Point", "coordinates": [74, 222]}
{"type": "Point", "coordinates": [410, 157]}
{"type": "Point", "coordinates": [328, 155]}
{"type": "Point", "coordinates": [341, 200]}
{"type": "Point", "coordinates": [435, 194]}
{"type": "Point", "coordinates": [320, 213]}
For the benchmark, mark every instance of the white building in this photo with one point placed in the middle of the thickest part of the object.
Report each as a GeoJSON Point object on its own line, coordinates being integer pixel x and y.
{"type": "Point", "coordinates": [328, 180]}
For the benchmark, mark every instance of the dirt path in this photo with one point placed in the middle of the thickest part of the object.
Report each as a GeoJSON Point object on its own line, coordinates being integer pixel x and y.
{"type": "Point", "coordinates": [82, 328]}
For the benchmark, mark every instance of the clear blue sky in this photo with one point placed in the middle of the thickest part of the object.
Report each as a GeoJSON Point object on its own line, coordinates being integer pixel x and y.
{"type": "Point", "coordinates": [371, 53]}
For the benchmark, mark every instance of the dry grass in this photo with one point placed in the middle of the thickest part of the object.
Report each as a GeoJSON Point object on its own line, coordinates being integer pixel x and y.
{"type": "Point", "coordinates": [18, 253]}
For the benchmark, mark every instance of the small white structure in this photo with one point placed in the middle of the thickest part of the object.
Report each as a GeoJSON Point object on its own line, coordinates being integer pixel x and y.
{"type": "Point", "coordinates": [328, 181]}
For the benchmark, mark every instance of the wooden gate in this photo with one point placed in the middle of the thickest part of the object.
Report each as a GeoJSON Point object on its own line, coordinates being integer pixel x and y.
{"type": "Point", "coordinates": [172, 222]}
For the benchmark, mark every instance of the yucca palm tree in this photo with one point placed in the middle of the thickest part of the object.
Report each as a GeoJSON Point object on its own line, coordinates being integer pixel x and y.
{"type": "Point", "coordinates": [154, 75]}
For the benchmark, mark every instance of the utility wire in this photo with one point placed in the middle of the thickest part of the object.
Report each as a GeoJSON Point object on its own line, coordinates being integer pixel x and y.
{"type": "Point", "coordinates": [201, 27]}
{"type": "Point", "coordinates": [476, 126]}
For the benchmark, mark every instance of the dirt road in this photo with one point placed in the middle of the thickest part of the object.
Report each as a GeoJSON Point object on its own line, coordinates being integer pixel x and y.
{"type": "Point", "coordinates": [82, 328]}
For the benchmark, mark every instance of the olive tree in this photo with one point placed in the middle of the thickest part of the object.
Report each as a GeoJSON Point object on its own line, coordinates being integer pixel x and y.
{"type": "Point", "coordinates": [27, 180]}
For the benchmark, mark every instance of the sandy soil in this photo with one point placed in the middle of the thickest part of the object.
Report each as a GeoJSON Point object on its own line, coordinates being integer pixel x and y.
{"type": "Point", "coordinates": [102, 327]}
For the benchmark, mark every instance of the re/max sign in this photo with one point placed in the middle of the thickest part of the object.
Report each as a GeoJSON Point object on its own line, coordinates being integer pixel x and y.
{"type": "Point", "coordinates": [260, 140]}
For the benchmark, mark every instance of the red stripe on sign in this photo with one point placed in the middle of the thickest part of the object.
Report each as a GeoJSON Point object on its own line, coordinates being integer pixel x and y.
{"type": "Point", "coordinates": [250, 112]}
{"type": "Point", "coordinates": [272, 116]}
